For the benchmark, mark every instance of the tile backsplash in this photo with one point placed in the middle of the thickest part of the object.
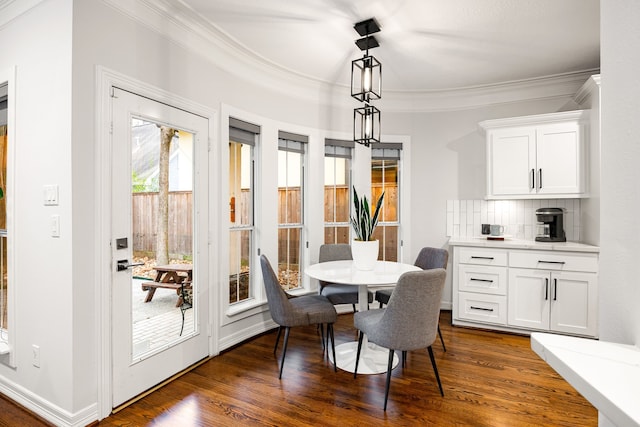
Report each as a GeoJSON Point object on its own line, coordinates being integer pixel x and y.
{"type": "Point", "coordinates": [465, 217]}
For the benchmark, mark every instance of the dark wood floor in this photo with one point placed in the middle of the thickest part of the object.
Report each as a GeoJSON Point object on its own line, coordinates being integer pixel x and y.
{"type": "Point", "coordinates": [489, 379]}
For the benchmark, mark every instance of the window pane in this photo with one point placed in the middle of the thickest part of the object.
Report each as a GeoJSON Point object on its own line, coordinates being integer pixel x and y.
{"type": "Point", "coordinates": [336, 234]}
{"type": "Point", "coordinates": [384, 177]}
{"type": "Point", "coordinates": [336, 199]}
{"type": "Point", "coordinates": [290, 212]}
{"type": "Point", "coordinates": [240, 265]}
{"type": "Point", "coordinates": [241, 221]}
{"type": "Point", "coordinates": [289, 257]}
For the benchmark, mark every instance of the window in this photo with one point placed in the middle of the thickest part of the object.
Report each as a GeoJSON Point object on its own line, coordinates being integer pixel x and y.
{"type": "Point", "coordinates": [242, 141]}
{"type": "Point", "coordinates": [337, 190]}
{"type": "Point", "coordinates": [4, 283]}
{"type": "Point", "coordinates": [291, 150]}
{"type": "Point", "coordinates": [385, 173]}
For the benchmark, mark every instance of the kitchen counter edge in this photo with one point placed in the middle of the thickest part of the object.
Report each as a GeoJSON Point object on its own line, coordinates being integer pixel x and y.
{"type": "Point", "coordinates": [483, 242]}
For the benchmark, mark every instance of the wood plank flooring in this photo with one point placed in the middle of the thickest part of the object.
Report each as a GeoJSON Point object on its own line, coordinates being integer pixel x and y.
{"type": "Point", "coordinates": [489, 379]}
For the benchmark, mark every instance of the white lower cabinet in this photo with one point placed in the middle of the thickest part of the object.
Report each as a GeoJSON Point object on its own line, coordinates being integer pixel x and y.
{"type": "Point", "coordinates": [552, 301]}
{"type": "Point", "coordinates": [519, 290]}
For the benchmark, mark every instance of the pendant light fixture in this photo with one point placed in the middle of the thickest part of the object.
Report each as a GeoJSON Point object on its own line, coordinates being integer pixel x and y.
{"type": "Point", "coordinates": [366, 83]}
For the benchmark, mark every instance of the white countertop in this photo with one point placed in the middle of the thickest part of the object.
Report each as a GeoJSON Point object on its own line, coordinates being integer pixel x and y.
{"type": "Point", "coordinates": [509, 243]}
{"type": "Point", "coordinates": [607, 374]}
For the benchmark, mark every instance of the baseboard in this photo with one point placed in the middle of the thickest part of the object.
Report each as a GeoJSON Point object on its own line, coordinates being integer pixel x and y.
{"type": "Point", "coordinates": [46, 409]}
{"type": "Point", "coordinates": [245, 334]}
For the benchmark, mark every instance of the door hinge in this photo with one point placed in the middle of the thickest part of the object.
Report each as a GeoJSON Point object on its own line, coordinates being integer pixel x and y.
{"type": "Point", "coordinates": [113, 92]}
{"type": "Point", "coordinates": [111, 128]}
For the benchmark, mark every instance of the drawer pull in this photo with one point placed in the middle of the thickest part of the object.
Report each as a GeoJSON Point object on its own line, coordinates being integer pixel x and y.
{"type": "Point", "coordinates": [481, 308]}
{"type": "Point", "coordinates": [481, 257]}
{"type": "Point", "coordinates": [551, 262]}
{"type": "Point", "coordinates": [481, 280]}
{"type": "Point", "coordinates": [555, 289]}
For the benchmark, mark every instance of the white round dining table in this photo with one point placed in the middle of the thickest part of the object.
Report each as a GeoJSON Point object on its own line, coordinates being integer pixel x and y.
{"type": "Point", "coordinates": [373, 358]}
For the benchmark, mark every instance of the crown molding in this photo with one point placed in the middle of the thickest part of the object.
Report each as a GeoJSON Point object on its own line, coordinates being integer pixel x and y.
{"type": "Point", "coordinates": [585, 93]}
{"type": "Point", "coordinates": [11, 9]}
{"type": "Point", "coordinates": [182, 25]}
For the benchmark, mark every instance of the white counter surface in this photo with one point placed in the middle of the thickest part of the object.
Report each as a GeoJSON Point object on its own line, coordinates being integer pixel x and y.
{"type": "Point", "coordinates": [509, 243]}
{"type": "Point", "coordinates": [607, 374]}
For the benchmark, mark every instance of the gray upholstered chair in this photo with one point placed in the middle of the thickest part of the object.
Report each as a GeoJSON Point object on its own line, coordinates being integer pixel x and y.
{"type": "Point", "coordinates": [409, 322]}
{"type": "Point", "coordinates": [335, 292]}
{"type": "Point", "coordinates": [427, 259]}
{"type": "Point", "coordinates": [288, 311]}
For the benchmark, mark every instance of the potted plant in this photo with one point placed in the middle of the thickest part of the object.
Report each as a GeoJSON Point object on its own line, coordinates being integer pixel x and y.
{"type": "Point", "coordinates": [364, 248]}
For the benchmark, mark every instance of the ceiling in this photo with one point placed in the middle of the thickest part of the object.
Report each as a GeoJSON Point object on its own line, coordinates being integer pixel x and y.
{"type": "Point", "coordinates": [425, 45]}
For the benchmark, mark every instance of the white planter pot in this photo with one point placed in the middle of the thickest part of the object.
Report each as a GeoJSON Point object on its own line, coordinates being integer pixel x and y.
{"type": "Point", "coordinates": [364, 254]}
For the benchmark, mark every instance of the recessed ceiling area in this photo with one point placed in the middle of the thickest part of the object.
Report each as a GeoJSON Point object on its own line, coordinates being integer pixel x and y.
{"type": "Point", "coordinates": [425, 45]}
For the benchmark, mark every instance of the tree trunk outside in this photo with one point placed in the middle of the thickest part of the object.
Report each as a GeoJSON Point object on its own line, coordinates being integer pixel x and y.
{"type": "Point", "coordinates": [162, 242]}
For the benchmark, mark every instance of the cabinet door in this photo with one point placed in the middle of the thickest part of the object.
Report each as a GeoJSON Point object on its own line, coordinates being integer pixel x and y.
{"type": "Point", "coordinates": [529, 297]}
{"type": "Point", "coordinates": [573, 306]}
{"type": "Point", "coordinates": [511, 159]}
{"type": "Point", "coordinates": [559, 166]}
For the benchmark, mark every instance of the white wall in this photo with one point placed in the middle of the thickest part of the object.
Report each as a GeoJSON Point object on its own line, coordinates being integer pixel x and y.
{"type": "Point", "coordinates": [620, 225]}
{"type": "Point", "coordinates": [38, 44]}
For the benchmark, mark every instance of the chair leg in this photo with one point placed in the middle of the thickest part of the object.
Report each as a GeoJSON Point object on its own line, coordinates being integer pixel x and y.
{"type": "Point", "coordinates": [435, 369]}
{"type": "Point", "coordinates": [322, 335]}
{"type": "Point", "coordinates": [333, 347]}
{"type": "Point", "coordinates": [182, 327]}
{"type": "Point", "coordinates": [275, 348]}
{"type": "Point", "coordinates": [284, 349]}
{"type": "Point", "coordinates": [404, 358]}
{"type": "Point", "coordinates": [389, 368]}
{"type": "Point", "coordinates": [360, 337]}
{"type": "Point", "coordinates": [381, 304]}
{"type": "Point", "coordinates": [354, 307]}
{"type": "Point", "coordinates": [441, 339]}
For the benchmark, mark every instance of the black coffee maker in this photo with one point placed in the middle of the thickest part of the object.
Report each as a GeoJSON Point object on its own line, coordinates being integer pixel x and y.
{"type": "Point", "coordinates": [550, 228]}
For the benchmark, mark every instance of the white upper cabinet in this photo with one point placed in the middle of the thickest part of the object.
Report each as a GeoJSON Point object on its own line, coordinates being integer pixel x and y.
{"type": "Point", "coordinates": [542, 156]}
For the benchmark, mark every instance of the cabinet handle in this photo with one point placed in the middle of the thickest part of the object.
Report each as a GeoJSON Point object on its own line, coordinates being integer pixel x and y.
{"type": "Point", "coordinates": [481, 257]}
{"type": "Point", "coordinates": [555, 289]}
{"type": "Point", "coordinates": [540, 179]}
{"type": "Point", "coordinates": [552, 262]}
{"type": "Point", "coordinates": [481, 280]}
{"type": "Point", "coordinates": [533, 179]}
{"type": "Point", "coordinates": [481, 308]}
{"type": "Point", "coordinates": [546, 289]}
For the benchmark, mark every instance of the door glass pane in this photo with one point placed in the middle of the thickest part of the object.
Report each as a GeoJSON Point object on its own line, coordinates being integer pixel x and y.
{"type": "Point", "coordinates": [162, 232]}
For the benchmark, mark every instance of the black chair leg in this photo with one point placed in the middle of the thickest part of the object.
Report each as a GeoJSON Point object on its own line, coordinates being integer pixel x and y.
{"type": "Point", "coordinates": [435, 369]}
{"type": "Point", "coordinates": [322, 335]}
{"type": "Point", "coordinates": [404, 358]}
{"type": "Point", "coordinates": [354, 307]}
{"type": "Point", "coordinates": [360, 337]}
{"type": "Point", "coordinates": [284, 349]}
{"type": "Point", "coordinates": [333, 346]}
{"type": "Point", "coordinates": [441, 339]}
{"type": "Point", "coordinates": [389, 368]}
{"type": "Point", "coordinates": [275, 348]}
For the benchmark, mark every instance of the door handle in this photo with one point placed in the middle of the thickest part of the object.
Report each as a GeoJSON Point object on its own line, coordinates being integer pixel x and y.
{"type": "Point", "coordinates": [124, 264]}
{"type": "Point", "coordinates": [546, 289]}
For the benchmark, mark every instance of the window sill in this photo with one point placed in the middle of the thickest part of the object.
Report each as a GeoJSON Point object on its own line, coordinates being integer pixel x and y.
{"type": "Point", "coordinates": [245, 309]}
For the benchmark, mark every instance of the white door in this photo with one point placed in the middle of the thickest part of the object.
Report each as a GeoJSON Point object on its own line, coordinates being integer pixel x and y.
{"type": "Point", "coordinates": [150, 340]}
{"type": "Point", "coordinates": [573, 305]}
{"type": "Point", "coordinates": [512, 161]}
{"type": "Point", "coordinates": [529, 298]}
{"type": "Point", "coordinates": [558, 159]}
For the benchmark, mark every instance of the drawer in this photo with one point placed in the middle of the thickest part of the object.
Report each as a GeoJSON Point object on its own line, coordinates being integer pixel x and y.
{"type": "Point", "coordinates": [482, 308]}
{"type": "Point", "coordinates": [554, 260]}
{"type": "Point", "coordinates": [483, 279]}
{"type": "Point", "coordinates": [482, 256]}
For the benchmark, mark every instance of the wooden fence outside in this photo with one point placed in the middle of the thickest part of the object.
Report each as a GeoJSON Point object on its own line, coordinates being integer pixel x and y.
{"type": "Point", "coordinates": [145, 214]}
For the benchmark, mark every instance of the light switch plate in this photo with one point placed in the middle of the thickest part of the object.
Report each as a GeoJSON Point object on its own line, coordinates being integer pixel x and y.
{"type": "Point", "coordinates": [51, 195]}
{"type": "Point", "coordinates": [55, 225]}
